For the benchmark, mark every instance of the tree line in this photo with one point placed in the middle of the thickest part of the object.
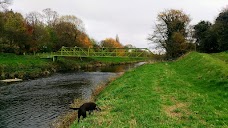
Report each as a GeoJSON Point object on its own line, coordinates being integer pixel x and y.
{"type": "Point", "coordinates": [48, 32]}
{"type": "Point", "coordinates": [44, 32]}
{"type": "Point", "coordinates": [175, 36]}
{"type": "Point", "coordinates": [212, 38]}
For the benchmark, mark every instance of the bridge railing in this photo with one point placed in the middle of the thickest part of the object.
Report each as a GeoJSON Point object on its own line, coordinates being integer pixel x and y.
{"type": "Point", "coordinates": [103, 52]}
{"type": "Point", "coordinates": [99, 52]}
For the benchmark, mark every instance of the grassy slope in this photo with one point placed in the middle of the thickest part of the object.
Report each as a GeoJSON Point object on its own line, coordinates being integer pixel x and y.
{"type": "Point", "coordinates": [191, 92]}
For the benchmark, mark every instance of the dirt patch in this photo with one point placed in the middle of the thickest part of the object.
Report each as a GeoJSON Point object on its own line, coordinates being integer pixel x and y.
{"type": "Point", "coordinates": [158, 89]}
{"type": "Point", "coordinates": [133, 123]}
{"type": "Point", "coordinates": [175, 111]}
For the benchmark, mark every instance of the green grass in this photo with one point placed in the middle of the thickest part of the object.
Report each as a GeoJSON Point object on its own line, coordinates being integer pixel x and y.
{"type": "Point", "coordinates": [191, 92]}
{"type": "Point", "coordinates": [222, 56]}
{"type": "Point", "coordinates": [11, 65]}
{"type": "Point", "coordinates": [15, 60]}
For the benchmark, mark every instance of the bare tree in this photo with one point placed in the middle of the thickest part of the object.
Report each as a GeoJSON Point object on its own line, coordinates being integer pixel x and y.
{"type": "Point", "coordinates": [34, 18]}
{"type": "Point", "coordinates": [50, 16]}
{"type": "Point", "coordinates": [74, 20]}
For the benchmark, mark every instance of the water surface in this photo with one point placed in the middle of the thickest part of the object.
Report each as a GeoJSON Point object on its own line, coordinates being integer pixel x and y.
{"type": "Point", "coordinates": [36, 103]}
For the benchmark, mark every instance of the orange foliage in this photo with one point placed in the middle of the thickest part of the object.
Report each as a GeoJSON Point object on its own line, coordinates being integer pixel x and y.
{"type": "Point", "coordinates": [84, 41]}
{"type": "Point", "coordinates": [112, 43]}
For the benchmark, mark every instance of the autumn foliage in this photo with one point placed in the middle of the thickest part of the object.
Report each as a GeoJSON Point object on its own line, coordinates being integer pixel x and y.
{"type": "Point", "coordinates": [112, 43]}
{"type": "Point", "coordinates": [40, 32]}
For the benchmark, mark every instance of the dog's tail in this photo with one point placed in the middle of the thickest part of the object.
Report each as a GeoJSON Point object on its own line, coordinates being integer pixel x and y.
{"type": "Point", "coordinates": [74, 108]}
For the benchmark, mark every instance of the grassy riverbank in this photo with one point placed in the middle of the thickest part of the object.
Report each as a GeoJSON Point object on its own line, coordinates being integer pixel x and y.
{"type": "Point", "coordinates": [29, 66]}
{"type": "Point", "coordinates": [191, 92]}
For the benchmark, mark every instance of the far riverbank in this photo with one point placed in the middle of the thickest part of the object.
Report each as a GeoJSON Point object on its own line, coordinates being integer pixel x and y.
{"type": "Point", "coordinates": [30, 67]}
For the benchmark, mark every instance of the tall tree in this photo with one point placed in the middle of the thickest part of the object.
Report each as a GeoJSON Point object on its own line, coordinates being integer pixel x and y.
{"type": "Point", "coordinates": [66, 35]}
{"type": "Point", "coordinates": [221, 29]}
{"type": "Point", "coordinates": [171, 33]}
{"type": "Point", "coordinates": [70, 31]}
{"type": "Point", "coordinates": [39, 37]}
{"type": "Point", "coordinates": [34, 18]}
{"type": "Point", "coordinates": [79, 25]}
{"type": "Point", "coordinates": [15, 31]}
{"type": "Point", "coordinates": [205, 39]}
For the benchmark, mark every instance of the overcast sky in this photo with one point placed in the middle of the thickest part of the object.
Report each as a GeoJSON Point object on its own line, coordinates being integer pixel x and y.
{"type": "Point", "coordinates": [132, 20]}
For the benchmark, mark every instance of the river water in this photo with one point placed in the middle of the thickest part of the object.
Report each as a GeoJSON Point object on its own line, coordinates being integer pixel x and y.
{"type": "Point", "coordinates": [37, 103]}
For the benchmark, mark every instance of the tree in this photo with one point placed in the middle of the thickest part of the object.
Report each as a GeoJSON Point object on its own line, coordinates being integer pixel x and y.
{"type": "Point", "coordinates": [39, 37]}
{"type": "Point", "coordinates": [94, 43]}
{"type": "Point", "coordinates": [84, 41]}
{"type": "Point", "coordinates": [171, 33]}
{"type": "Point", "coordinates": [1, 30]}
{"type": "Point", "coordinates": [212, 38]}
{"type": "Point", "coordinates": [1, 23]}
{"type": "Point", "coordinates": [34, 18]}
{"type": "Point", "coordinates": [15, 32]}
{"type": "Point", "coordinates": [66, 35]}
{"type": "Point", "coordinates": [220, 28]}
{"type": "Point", "coordinates": [69, 32]}
{"type": "Point", "coordinates": [111, 43]}
{"type": "Point", "coordinates": [50, 16]}
{"type": "Point", "coordinates": [79, 25]}
{"type": "Point", "coordinates": [202, 30]}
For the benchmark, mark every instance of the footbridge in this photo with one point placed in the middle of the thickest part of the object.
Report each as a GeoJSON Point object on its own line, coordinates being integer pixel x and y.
{"type": "Point", "coordinates": [98, 52]}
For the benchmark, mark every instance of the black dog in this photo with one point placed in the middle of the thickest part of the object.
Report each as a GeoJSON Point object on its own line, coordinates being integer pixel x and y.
{"type": "Point", "coordinates": [90, 106]}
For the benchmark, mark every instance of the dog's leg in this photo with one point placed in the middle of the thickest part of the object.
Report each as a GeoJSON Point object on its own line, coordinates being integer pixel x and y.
{"type": "Point", "coordinates": [84, 114]}
{"type": "Point", "coordinates": [79, 115]}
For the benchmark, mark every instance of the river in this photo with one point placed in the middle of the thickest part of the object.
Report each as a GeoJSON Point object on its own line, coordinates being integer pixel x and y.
{"type": "Point", "coordinates": [37, 103]}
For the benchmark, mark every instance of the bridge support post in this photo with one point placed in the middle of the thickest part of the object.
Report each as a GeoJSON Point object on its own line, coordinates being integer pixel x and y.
{"type": "Point", "coordinates": [54, 58]}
